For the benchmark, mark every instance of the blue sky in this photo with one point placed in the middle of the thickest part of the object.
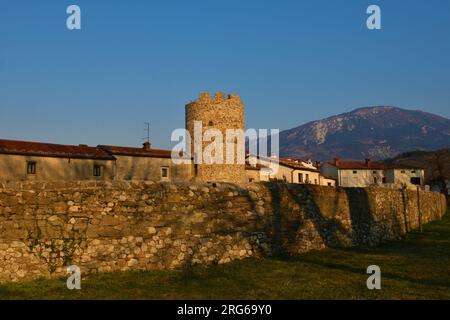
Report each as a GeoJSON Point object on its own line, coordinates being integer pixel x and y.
{"type": "Point", "coordinates": [136, 61]}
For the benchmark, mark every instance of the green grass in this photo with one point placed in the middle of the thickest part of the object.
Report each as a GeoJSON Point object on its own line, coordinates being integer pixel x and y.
{"type": "Point", "coordinates": [417, 267]}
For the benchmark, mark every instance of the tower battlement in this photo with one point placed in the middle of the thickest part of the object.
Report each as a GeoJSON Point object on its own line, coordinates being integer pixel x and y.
{"type": "Point", "coordinates": [218, 97]}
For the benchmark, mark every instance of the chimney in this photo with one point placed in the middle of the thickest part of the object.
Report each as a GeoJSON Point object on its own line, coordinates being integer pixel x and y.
{"type": "Point", "coordinates": [336, 162]}
{"type": "Point", "coordinates": [147, 145]}
{"type": "Point", "coordinates": [368, 163]}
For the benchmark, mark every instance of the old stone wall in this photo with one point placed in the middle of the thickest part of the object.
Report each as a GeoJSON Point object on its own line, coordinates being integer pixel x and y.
{"type": "Point", "coordinates": [110, 226]}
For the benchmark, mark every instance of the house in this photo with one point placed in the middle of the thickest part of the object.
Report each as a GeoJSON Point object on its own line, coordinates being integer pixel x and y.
{"type": "Point", "coordinates": [23, 160]}
{"type": "Point", "coordinates": [367, 173]}
{"type": "Point", "coordinates": [290, 170]}
{"type": "Point", "coordinates": [147, 164]}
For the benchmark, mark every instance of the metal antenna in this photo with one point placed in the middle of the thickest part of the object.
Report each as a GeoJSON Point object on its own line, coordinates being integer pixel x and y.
{"type": "Point", "coordinates": [148, 131]}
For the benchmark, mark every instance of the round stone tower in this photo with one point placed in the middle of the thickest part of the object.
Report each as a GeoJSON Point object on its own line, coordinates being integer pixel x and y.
{"type": "Point", "coordinates": [221, 112]}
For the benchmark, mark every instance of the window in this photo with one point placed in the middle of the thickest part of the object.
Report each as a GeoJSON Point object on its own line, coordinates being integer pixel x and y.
{"type": "Point", "coordinates": [164, 172]}
{"type": "Point", "coordinates": [307, 178]}
{"type": "Point", "coordinates": [300, 177]}
{"type": "Point", "coordinates": [384, 180]}
{"type": "Point", "coordinates": [375, 180]}
{"type": "Point", "coordinates": [97, 170]}
{"type": "Point", "coordinates": [403, 171]}
{"type": "Point", "coordinates": [31, 167]}
{"type": "Point", "coordinates": [415, 180]}
{"type": "Point", "coordinates": [329, 184]}
{"type": "Point", "coordinates": [374, 172]}
{"type": "Point", "coordinates": [413, 171]}
{"type": "Point", "coordinates": [211, 123]}
{"type": "Point", "coordinates": [355, 172]}
{"type": "Point", "coordinates": [315, 181]}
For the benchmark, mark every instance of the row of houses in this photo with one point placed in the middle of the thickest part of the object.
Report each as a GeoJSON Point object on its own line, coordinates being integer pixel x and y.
{"type": "Point", "coordinates": [340, 173]}
{"type": "Point", "coordinates": [23, 160]}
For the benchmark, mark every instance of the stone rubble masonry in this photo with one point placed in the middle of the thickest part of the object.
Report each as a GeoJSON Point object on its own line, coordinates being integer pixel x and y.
{"type": "Point", "coordinates": [116, 226]}
{"type": "Point", "coordinates": [221, 112]}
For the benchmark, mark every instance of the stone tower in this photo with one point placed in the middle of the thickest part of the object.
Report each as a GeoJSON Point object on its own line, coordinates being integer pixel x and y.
{"type": "Point", "coordinates": [220, 112]}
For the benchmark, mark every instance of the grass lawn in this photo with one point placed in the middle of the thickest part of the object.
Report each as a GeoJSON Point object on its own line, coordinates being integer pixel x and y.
{"type": "Point", "coordinates": [417, 267]}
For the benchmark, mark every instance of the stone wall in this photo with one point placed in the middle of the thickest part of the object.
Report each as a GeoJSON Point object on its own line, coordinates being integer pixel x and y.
{"type": "Point", "coordinates": [110, 226]}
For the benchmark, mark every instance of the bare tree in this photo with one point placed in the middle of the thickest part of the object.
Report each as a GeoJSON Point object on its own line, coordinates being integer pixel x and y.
{"type": "Point", "coordinates": [440, 170]}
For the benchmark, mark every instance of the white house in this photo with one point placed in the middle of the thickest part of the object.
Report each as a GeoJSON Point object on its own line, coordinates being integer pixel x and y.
{"type": "Point", "coordinates": [367, 173]}
{"type": "Point", "coordinates": [290, 171]}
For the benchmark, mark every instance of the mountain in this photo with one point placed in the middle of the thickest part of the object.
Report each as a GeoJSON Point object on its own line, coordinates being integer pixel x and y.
{"type": "Point", "coordinates": [370, 132]}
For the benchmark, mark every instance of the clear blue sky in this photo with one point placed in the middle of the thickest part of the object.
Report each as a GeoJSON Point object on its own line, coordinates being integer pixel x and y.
{"type": "Point", "coordinates": [142, 60]}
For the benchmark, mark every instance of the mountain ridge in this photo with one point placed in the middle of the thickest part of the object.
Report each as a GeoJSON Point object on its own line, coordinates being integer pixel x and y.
{"type": "Point", "coordinates": [377, 132]}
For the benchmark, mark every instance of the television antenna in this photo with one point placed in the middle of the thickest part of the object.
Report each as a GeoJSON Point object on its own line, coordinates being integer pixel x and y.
{"type": "Point", "coordinates": [147, 129]}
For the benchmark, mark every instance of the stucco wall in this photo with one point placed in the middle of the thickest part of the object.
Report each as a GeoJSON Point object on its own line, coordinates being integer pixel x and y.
{"type": "Point", "coordinates": [149, 168]}
{"type": "Point", "coordinates": [108, 226]}
{"type": "Point", "coordinates": [14, 167]}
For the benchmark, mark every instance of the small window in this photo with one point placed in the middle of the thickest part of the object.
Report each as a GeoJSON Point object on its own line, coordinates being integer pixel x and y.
{"type": "Point", "coordinates": [384, 180]}
{"type": "Point", "coordinates": [329, 184]}
{"type": "Point", "coordinates": [97, 170]}
{"type": "Point", "coordinates": [355, 172]}
{"type": "Point", "coordinates": [164, 172]}
{"type": "Point", "coordinates": [31, 167]}
{"type": "Point", "coordinates": [375, 180]}
{"type": "Point", "coordinates": [413, 171]}
{"type": "Point", "coordinates": [315, 181]}
{"type": "Point", "coordinates": [211, 123]}
{"type": "Point", "coordinates": [415, 181]}
{"type": "Point", "coordinates": [374, 172]}
{"type": "Point", "coordinates": [403, 171]}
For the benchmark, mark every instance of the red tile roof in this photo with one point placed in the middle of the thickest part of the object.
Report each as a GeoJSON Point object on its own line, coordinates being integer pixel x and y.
{"type": "Point", "coordinates": [358, 165]}
{"type": "Point", "coordinates": [374, 165]}
{"type": "Point", "coordinates": [256, 167]}
{"type": "Point", "coordinates": [291, 163]}
{"type": "Point", "coordinates": [296, 164]}
{"type": "Point", "coordinates": [28, 148]}
{"type": "Point", "coordinates": [137, 152]}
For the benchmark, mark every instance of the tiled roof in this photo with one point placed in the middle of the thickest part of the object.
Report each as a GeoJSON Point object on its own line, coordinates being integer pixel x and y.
{"type": "Point", "coordinates": [296, 164]}
{"type": "Point", "coordinates": [361, 165]}
{"type": "Point", "coordinates": [256, 167]}
{"type": "Point", "coordinates": [28, 148]}
{"type": "Point", "coordinates": [137, 152]}
{"type": "Point", "coordinates": [291, 163]}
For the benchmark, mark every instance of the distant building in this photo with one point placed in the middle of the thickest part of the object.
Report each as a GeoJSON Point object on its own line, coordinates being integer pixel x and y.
{"type": "Point", "coordinates": [290, 171]}
{"type": "Point", "coordinates": [367, 173]}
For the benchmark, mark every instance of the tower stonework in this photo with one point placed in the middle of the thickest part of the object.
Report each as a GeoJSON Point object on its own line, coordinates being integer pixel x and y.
{"type": "Point", "coordinates": [221, 112]}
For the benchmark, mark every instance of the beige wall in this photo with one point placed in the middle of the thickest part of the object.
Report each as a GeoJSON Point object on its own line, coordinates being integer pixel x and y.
{"type": "Point", "coordinates": [327, 182]}
{"type": "Point", "coordinates": [365, 177]}
{"type": "Point", "coordinates": [403, 176]}
{"type": "Point", "coordinates": [14, 168]}
{"type": "Point", "coordinates": [288, 174]}
{"type": "Point", "coordinates": [313, 177]}
{"type": "Point", "coordinates": [148, 168]}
